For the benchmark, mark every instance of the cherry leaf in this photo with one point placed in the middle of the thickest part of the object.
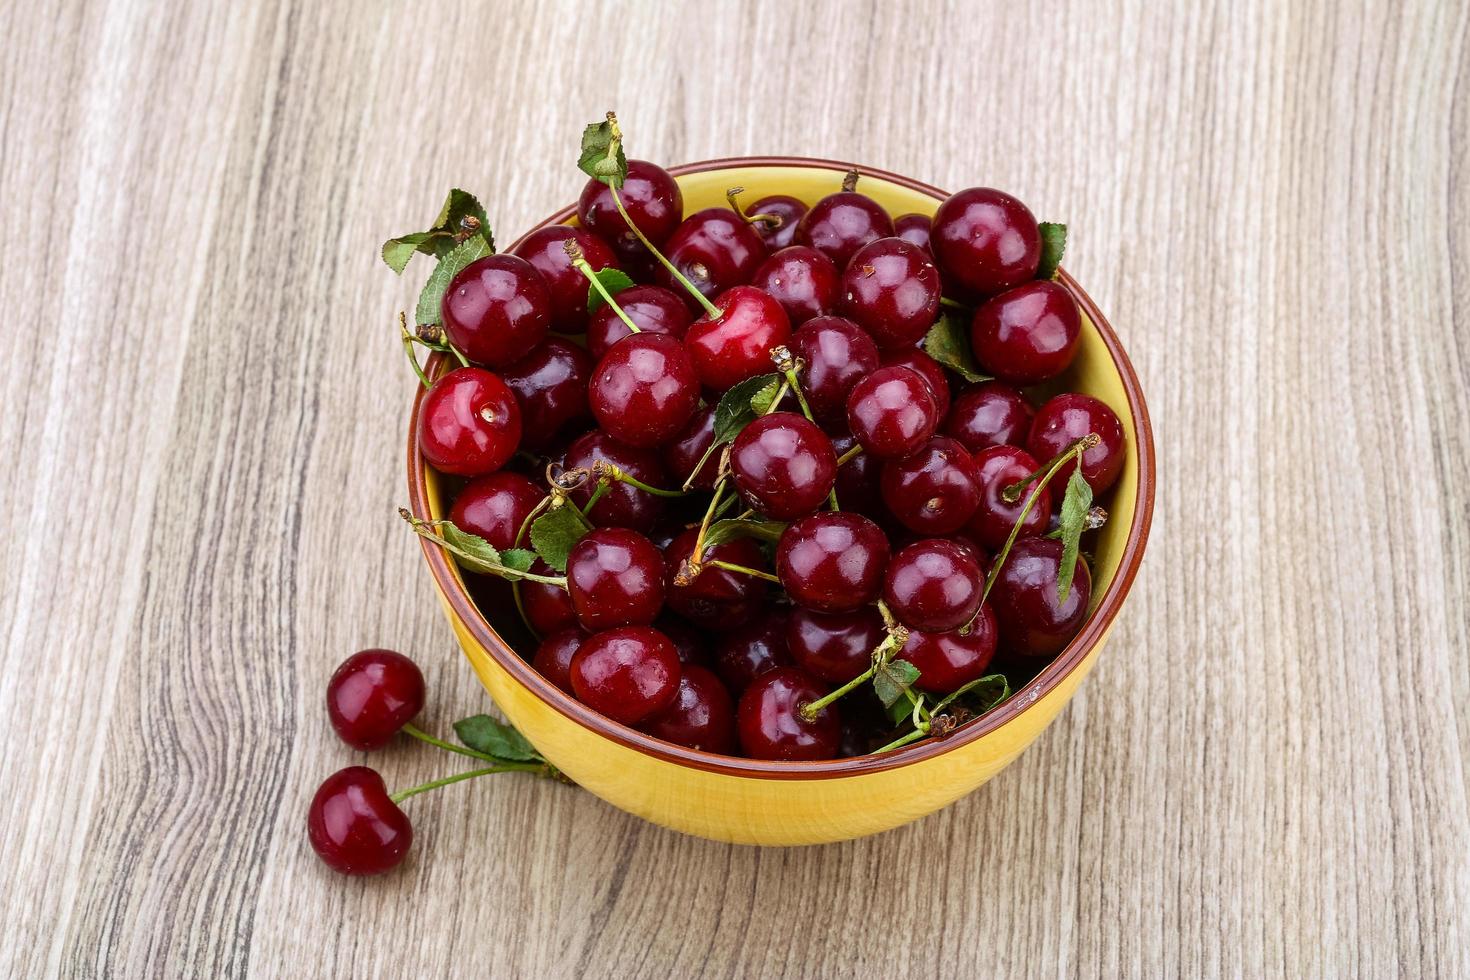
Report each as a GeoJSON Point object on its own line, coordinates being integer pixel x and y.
{"type": "Point", "coordinates": [761, 401]}
{"type": "Point", "coordinates": [554, 533]}
{"type": "Point", "coordinates": [721, 531]}
{"type": "Point", "coordinates": [613, 280]}
{"type": "Point", "coordinates": [484, 734]}
{"type": "Point", "coordinates": [602, 154]}
{"type": "Point", "coordinates": [518, 559]}
{"type": "Point", "coordinates": [460, 256]}
{"type": "Point", "coordinates": [892, 679]}
{"type": "Point", "coordinates": [441, 238]}
{"type": "Point", "coordinates": [1075, 504]}
{"type": "Point", "coordinates": [1053, 244]}
{"type": "Point", "coordinates": [472, 551]}
{"type": "Point", "coordinates": [949, 343]}
{"type": "Point", "coordinates": [989, 690]}
{"type": "Point", "coordinates": [734, 411]}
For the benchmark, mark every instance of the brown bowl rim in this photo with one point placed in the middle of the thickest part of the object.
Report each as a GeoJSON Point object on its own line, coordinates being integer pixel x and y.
{"type": "Point", "coordinates": [1043, 683]}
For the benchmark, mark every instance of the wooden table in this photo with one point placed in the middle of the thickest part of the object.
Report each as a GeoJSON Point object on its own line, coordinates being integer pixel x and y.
{"type": "Point", "coordinates": [204, 420]}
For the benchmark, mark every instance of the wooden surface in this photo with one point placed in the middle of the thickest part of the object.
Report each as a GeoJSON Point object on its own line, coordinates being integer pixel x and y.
{"type": "Point", "coordinates": [204, 417]}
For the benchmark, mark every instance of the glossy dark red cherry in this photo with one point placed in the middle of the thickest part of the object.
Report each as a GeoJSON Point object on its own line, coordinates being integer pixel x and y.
{"type": "Point", "coordinates": [770, 723]}
{"type": "Point", "coordinates": [715, 249]}
{"type": "Point", "coordinates": [496, 310]}
{"type": "Point", "coordinates": [688, 448]}
{"type": "Point", "coordinates": [553, 658]}
{"type": "Point", "coordinates": [548, 607]}
{"type": "Point", "coordinates": [615, 578]}
{"type": "Point", "coordinates": [545, 249]}
{"type": "Point", "coordinates": [751, 649]}
{"type": "Point", "coordinates": [985, 240]}
{"type": "Point", "coordinates": [1031, 621]}
{"type": "Point", "coordinates": [495, 506]}
{"type": "Point", "coordinates": [914, 229]}
{"type": "Point", "coordinates": [935, 491]}
{"type": "Point", "coordinates": [891, 289]}
{"type": "Point", "coordinates": [802, 280]}
{"type": "Point", "coordinates": [644, 390]}
{"type": "Point", "coordinates": [717, 599]}
{"type": "Point", "coordinates": [948, 661]}
{"type": "Point", "coordinates": [783, 206]}
{"type": "Point", "coordinates": [372, 695]}
{"type": "Point", "coordinates": [623, 505]}
{"type": "Point", "coordinates": [652, 199]}
{"type": "Point", "coordinates": [997, 468]}
{"type": "Point", "coordinates": [891, 412]}
{"type": "Point", "coordinates": [469, 423]}
{"type": "Point", "coordinates": [690, 642]}
{"type": "Point", "coordinates": [836, 354]}
{"type": "Point", "coordinates": [353, 825]}
{"type": "Point", "coordinates": [989, 414]}
{"type": "Point", "coordinates": [832, 562]}
{"type": "Point", "coordinates": [702, 715]}
{"type": "Point", "coordinates": [1028, 334]}
{"type": "Point", "coordinates": [933, 585]}
{"type": "Point", "coordinates": [858, 486]}
{"type": "Point", "coordinates": [653, 309]}
{"type": "Point", "coordinates": [928, 369]}
{"type": "Point", "coordinates": [550, 386]}
{"type": "Point", "coordinates": [840, 224]}
{"type": "Point", "coordinates": [783, 465]}
{"type": "Point", "coordinates": [737, 344]}
{"type": "Point", "coordinates": [834, 647]}
{"type": "Point", "coordinates": [1067, 418]}
{"type": "Point", "coordinates": [628, 673]}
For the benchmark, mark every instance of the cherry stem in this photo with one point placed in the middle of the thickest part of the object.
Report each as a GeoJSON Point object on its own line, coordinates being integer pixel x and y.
{"type": "Point", "coordinates": [598, 492]}
{"type": "Point", "coordinates": [774, 220]}
{"type": "Point", "coordinates": [780, 394]}
{"type": "Point", "coordinates": [408, 339]}
{"type": "Point", "coordinates": [704, 458]}
{"type": "Point", "coordinates": [1012, 493]}
{"type": "Point", "coordinates": [851, 454]}
{"type": "Point", "coordinates": [880, 657]}
{"type": "Point", "coordinates": [424, 736]}
{"type": "Point", "coordinates": [744, 570]}
{"type": "Point", "coordinates": [849, 180]}
{"type": "Point", "coordinates": [787, 365]}
{"type": "Point", "coordinates": [404, 794]}
{"type": "Point", "coordinates": [607, 471]}
{"type": "Point", "coordinates": [903, 740]}
{"type": "Point", "coordinates": [953, 303]}
{"type": "Point", "coordinates": [579, 262]}
{"type": "Point", "coordinates": [426, 529]}
{"type": "Point", "coordinates": [710, 308]}
{"type": "Point", "coordinates": [696, 555]}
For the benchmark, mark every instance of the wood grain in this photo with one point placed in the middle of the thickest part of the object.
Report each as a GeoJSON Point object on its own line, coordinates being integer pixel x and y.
{"type": "Point", "coordinates": [204, 409]}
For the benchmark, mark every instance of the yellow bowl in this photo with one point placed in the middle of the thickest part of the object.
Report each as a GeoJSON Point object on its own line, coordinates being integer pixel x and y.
{"type": "Point", "coordinates": [783, 803]}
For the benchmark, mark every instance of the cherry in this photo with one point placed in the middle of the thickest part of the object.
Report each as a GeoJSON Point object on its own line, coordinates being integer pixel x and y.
{"type": "Point", "coordinates": [1031, 621]}
{"type": "Point", "coordinates": [1067, 418]}
{"type": "Point", "coordinates": [623, 505]}
{"type": "Point", "coordinates": [644, 390]}
{"type": "Point", "coordinates": [989, 414]}
{"type": "Point", "coordinates": [717, 599]}
{"type": "Point", "coordinates": [858, 486]}
{"type": "Point", "coordinates": [914, 229]}
{"type": "Point", "coordinates": [788, 209]}
{"type": "Point", "coordinates": [548, 607]}
{"type": "Point", "coordinates": [832, 562]}
{"type": "Point", "coordinates": [714, 249]}
{"type": "Point", "coordinates": [615, 578]}
{"type": "Point", "coordinates": [653, 200]}
{"type": "Point", "coordinates": [928, 369]}
{"type": "Point", "coordinates": [751, 649]}
{"type": "Point", "coordinates": [545, 249]}
{"type": "Point", "coordinates": [840, 224]}
{"type": "Point", "coordinates": [834, 647]}
{"type": "Point", "coordinates": [735, 345]}
{"type": "Point", "coordinates": [469, 423]}
{"type": "Point", "coordinates": [891, 289]}
{"type": "Point", "coordinates": [802, 280]}
{"type": "Point", "coordinates": [933, 585]}
{"type": "Point", "coordinates": [372, 695]}
{"type": "Point", "coordinates": [688, 448]}
{"type": "Point", "coordinates": [770, 723]}
{"type": "Point", "coordinates": [688, 642]}
{"type": "Point", "coordinates": [353, 825]}
{"type": "Point", "coordinates": [550, 385]}
{"type": "Point", "coordinates": [496, 309]}
{"type": "Point", "coordinates": [936, 490]}
{"type": "Point", "coordinates": [783, 465]}
{"type": "Point", "coordinates": [653, 308]}
{"type": "Point", "coordinates": [997, 468]}
{"type": "Point", "coordinates": [837, 354]}
{"type": "Point", "coordinates": [1027, 334]}
{"type": "Point", "coordinates": [948, 661]}
{"type": "Point", "coordinates": [553, 659]}
{"type": "Point", "coordinates": [891, 412]}
{"type": "Point", "coordinates": [985, 240]}
{"type": "Point", "coordinates": [701, 716]}
{"type": "Point", "coordinates": [495, 506]}
{"type": "Point", "coordinates": [627, 674]}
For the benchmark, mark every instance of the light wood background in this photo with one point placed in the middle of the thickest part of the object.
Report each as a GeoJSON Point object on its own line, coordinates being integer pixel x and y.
{"type": "Point", "coordinates": [204, 411]}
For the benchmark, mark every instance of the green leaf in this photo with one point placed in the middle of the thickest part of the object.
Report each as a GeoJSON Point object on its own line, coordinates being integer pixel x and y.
{"type": "Point", "coordinates": [734, 411]}
{"type": "Point", "coordinates": [948, 343]}
{"type": "Point", "coordinates": [1075, 504]}
{"type": "Point", "coordinates": [891, 679]}
{"type": "Point", "coordinates": [761, 401]}
{"type": "Point", "coordinates": [602, 154]}
{"type": "Point", "coordinates": [441, 238]}
{"type": "Point", "coordinates": [479, 555]}
{"type": "Point", "coordinates": [1053, 244]}
{"type": "Point", "coordinates": [518, 559]}
{"type": "Point", "coordinates": [484, 734]}
{"type": "Point", "coordinates": [448, 267]}
{"type": "Point", "coordinates": [722, 531]}
{"type": "Point", "coordinates": [554, 533]}
{"type": "Point", "coordinates": [902, 708]}
{"type": "Point", "coordinates": [613, 280]}
{"type": "Point", "coordinates": [990, 690]}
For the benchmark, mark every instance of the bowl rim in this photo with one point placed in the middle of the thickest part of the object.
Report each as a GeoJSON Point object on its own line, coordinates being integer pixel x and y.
{"type": "Point", "coordinates": [1049, 678]}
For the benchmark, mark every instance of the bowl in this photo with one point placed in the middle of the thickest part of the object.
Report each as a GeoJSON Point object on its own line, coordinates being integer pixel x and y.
{"type": "Point", "coordinates": [750, 801]}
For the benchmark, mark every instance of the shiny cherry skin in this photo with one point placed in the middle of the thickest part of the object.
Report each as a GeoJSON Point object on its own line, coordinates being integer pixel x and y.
{"type": "Point", "coordinates": [891, 289]}
{"type": "Point", "coordinates": [859, 486]}
{"type": "Point", "coordinates": [985, 240]}
{"type": "Point", "coordinates": [550, 386]}
{"type": "Point", "coordinates": [802, 280]}
{"type": "Point", "coordinates": [770, 724]}
{"type": "Point", "coordinates": [935, 491]}
{"type": "Point", "coordinates": [716, 599]}
{"type": "Point", "coordinates": [688, 448]}
{"type": "Point", "coordinates": [788, 209]}
{"type": "Point", "coordinates": [689, 642]}
{"type": "Point", "coordinates": [751, 649]}
{"type": "Point", "coordinates": [736, 345]}
{"type": "Point", "coordinates": [989, 414]}
{"type": "Point", "coordinates": [840, 224]}
{"type": "Point", "coordinates": [928, 369]}
{"type": "Point", "coordinates": [702, 715]}
{"type": "Point", "coordinates": [1032, 623]}
{"type": "Point", "coordinates": [553, 658]}
{"type": "Point", "coordinates": [914, 229]}
{"type": "Point", "coordinates": [615, 578]}
{"type": "Point", "coordinates": [891, 412]}
{"type": "Point", "coordinates": [372, 695]}
{"type": "Point", "coordinates": [997, 468]}
{"type": "Point", "coordinates": [644, 390]}
{"type": "Point", "coordinates": [715, 249]}
{"type": "Point", "coordinates": [652, 199]}
{"type": "Point", "coordinates": [496, 310]}
{"type": "Point", "coordinates": [545, 249]}
{"type": "Point", "coordinates": [1028, 334]}
{"type": "Point", "coordinates": [469, 423]}
{"type": "Point", "coordinates": [783, 465]}
{"type": "Point", "coordinates": [933, 585]}
{"type": "Point", "coordinates": [836, 354]}
{"type": "Point", "coordinates": [950, 660]}
{"type": "Point", "coordinates": [353, 825]}
{"type": "Point", "coordinates": [623, 505]}
{"type": "Point", "coordinates": [832, 561]}
{"type": "Point", "coordinates": [495, 506]}
{"type": "Point", "coordinates": [653, 309]}
{"type": "Point", "coordinates": [1067, 418]}
{"type": "Point", "coordinates": [834, 647]}
{"type": "Point", "coordinates": [627, 673]}
{"type": "Point", "coordinates": [548, 607]}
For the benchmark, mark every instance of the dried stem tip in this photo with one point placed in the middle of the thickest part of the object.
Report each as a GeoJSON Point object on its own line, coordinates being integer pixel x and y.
{"type": "Point", "coordinates": [849, 181]}
{"type": "Point", "coordinates": [783, 359]}
{"type": "Point", "coordinates": [573, 250]}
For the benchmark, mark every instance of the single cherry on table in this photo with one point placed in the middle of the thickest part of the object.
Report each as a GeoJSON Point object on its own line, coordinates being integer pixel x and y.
{"type": "Point", "coordinates": [372, 695]}
{"type": "Point", "coordinates": [353, 825]}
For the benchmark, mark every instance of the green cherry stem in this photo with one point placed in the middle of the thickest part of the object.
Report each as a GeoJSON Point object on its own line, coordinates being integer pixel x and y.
{"type": "Point", "coordinates": [743, 570]}
{"type": "Point", "coordinates": [903, 740]}
{"type": "Point", "coordinates": [880, 656]}
{"type": "Point", "coordinates": [774, 220]}
{"type": "Point", "coordinates": [413, 359]}
{"type": "Point", "coordinates": [710, 308]}
{"type": "Point", "coordinates": [423, 736]}
{"type": "Point", "coordinates": [598, 492]}
{"type": "Point", "coordinates": [851, 454]}
{"type": "Point", "coordinates": [579, 262]}
{"type": "Point", "coordinates": [607, 471]}
{"type": "Point", "coordinates": [787, 365]}
{"type": "Point", "coordinates": [426, 530]}
{"type": "Point", "coordinates": [404, 794]}
{"type": "Point", "coordinates": [952, 303]}
{"type": "Point", "coordinates": [1012, 493]}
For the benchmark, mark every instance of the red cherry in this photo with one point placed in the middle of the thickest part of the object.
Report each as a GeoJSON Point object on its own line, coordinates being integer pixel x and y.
{"type": "Point", "coordinates": [615, 578]}
{"type": "Point", "coordinates": [469, 423]}
{"type": "Point", "coordinates": [550, 386]}
{"type": "Point", "coordinates": [840, 224]}
{"type": "Point", "coordinates": [627, 674]}
{"type": "Point", "coordinates": [548, 607]}
{"type": "Point", "coordinates": [702, 715]}
{"type": "Point", "coordinates": [689, 642]}
{"type": "Point", "coordinates": [783, 465]}
{"type": "Point", "coordinates": [736, 345]}
{"type": "Point", "coordinates": [949, 661]}
{"type": "Point", "coordinates": [997, 468]}
{"type": "Point", "coordinates": [891, 289]}
{"type": "Point", "coordinates": [644, 391]}
{"type": "Point", "coordinates": [652, 198]}
{"type": "Point", "coordinates": [837, 354]}
{"type": "Point", "coordinates": [1067, 418]}
{"type": "Point", "coordinates": [788, 209]}
{"type": "Point", "coordinates": [935, 491]}
{"type": "Point", "coordinates": [372, 695]}
{"type": "Point", "coordinates": [989, 414]}
{"type": "Point", "coordinates": [688, 448]}
{"type": "Point", "coordinates": [496, 309]}
{"type": "Point", "coordinates": [623, 505]}
{"type": "Point", "coordinates": [1028, 334]}
{"type": "Point", "coordinates": [717, 599]}
{"type": "Point", "coordinates": [802, 280]}
{"type": "Point", "coordinates": [553, 659]}
{"type": "Point", "coordinates": [985, 240]}
{"type": "Point", "coordinates": [1031, 621]}
{"type": "Point", "coordinates": [914, 229]}
{"type": "Point", "coordinates": [832, 562]}
{"type": "Point", "coordinates": [353, 825]}
{"type": "Point", "coordinates": [933, 585]}
{"type": "Point", "coordinates": [714, 249]}
{"type": "Point", "coordinates": [545, 249]}
{"type": "Point", "coordinates": [495, 506]}
{"type": "Point", "coordinates": [928, 369]}
{"type": "Point", "coordinates": [751, 649]}
{"type": "Point", "coordinates": [891, 412]}
{"type": "Point", "coordinates": [653, 309]}
{"type": "Point", "coordinates": [770, 723]}
{"type": "Point", "coordinates": [835, 647]}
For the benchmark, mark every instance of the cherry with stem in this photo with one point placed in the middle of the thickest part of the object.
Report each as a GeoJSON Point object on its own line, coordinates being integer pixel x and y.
{"type": "Point", "coordinates": [580, 263]}
{"type": "Point", "coordinates": [750, 219]}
